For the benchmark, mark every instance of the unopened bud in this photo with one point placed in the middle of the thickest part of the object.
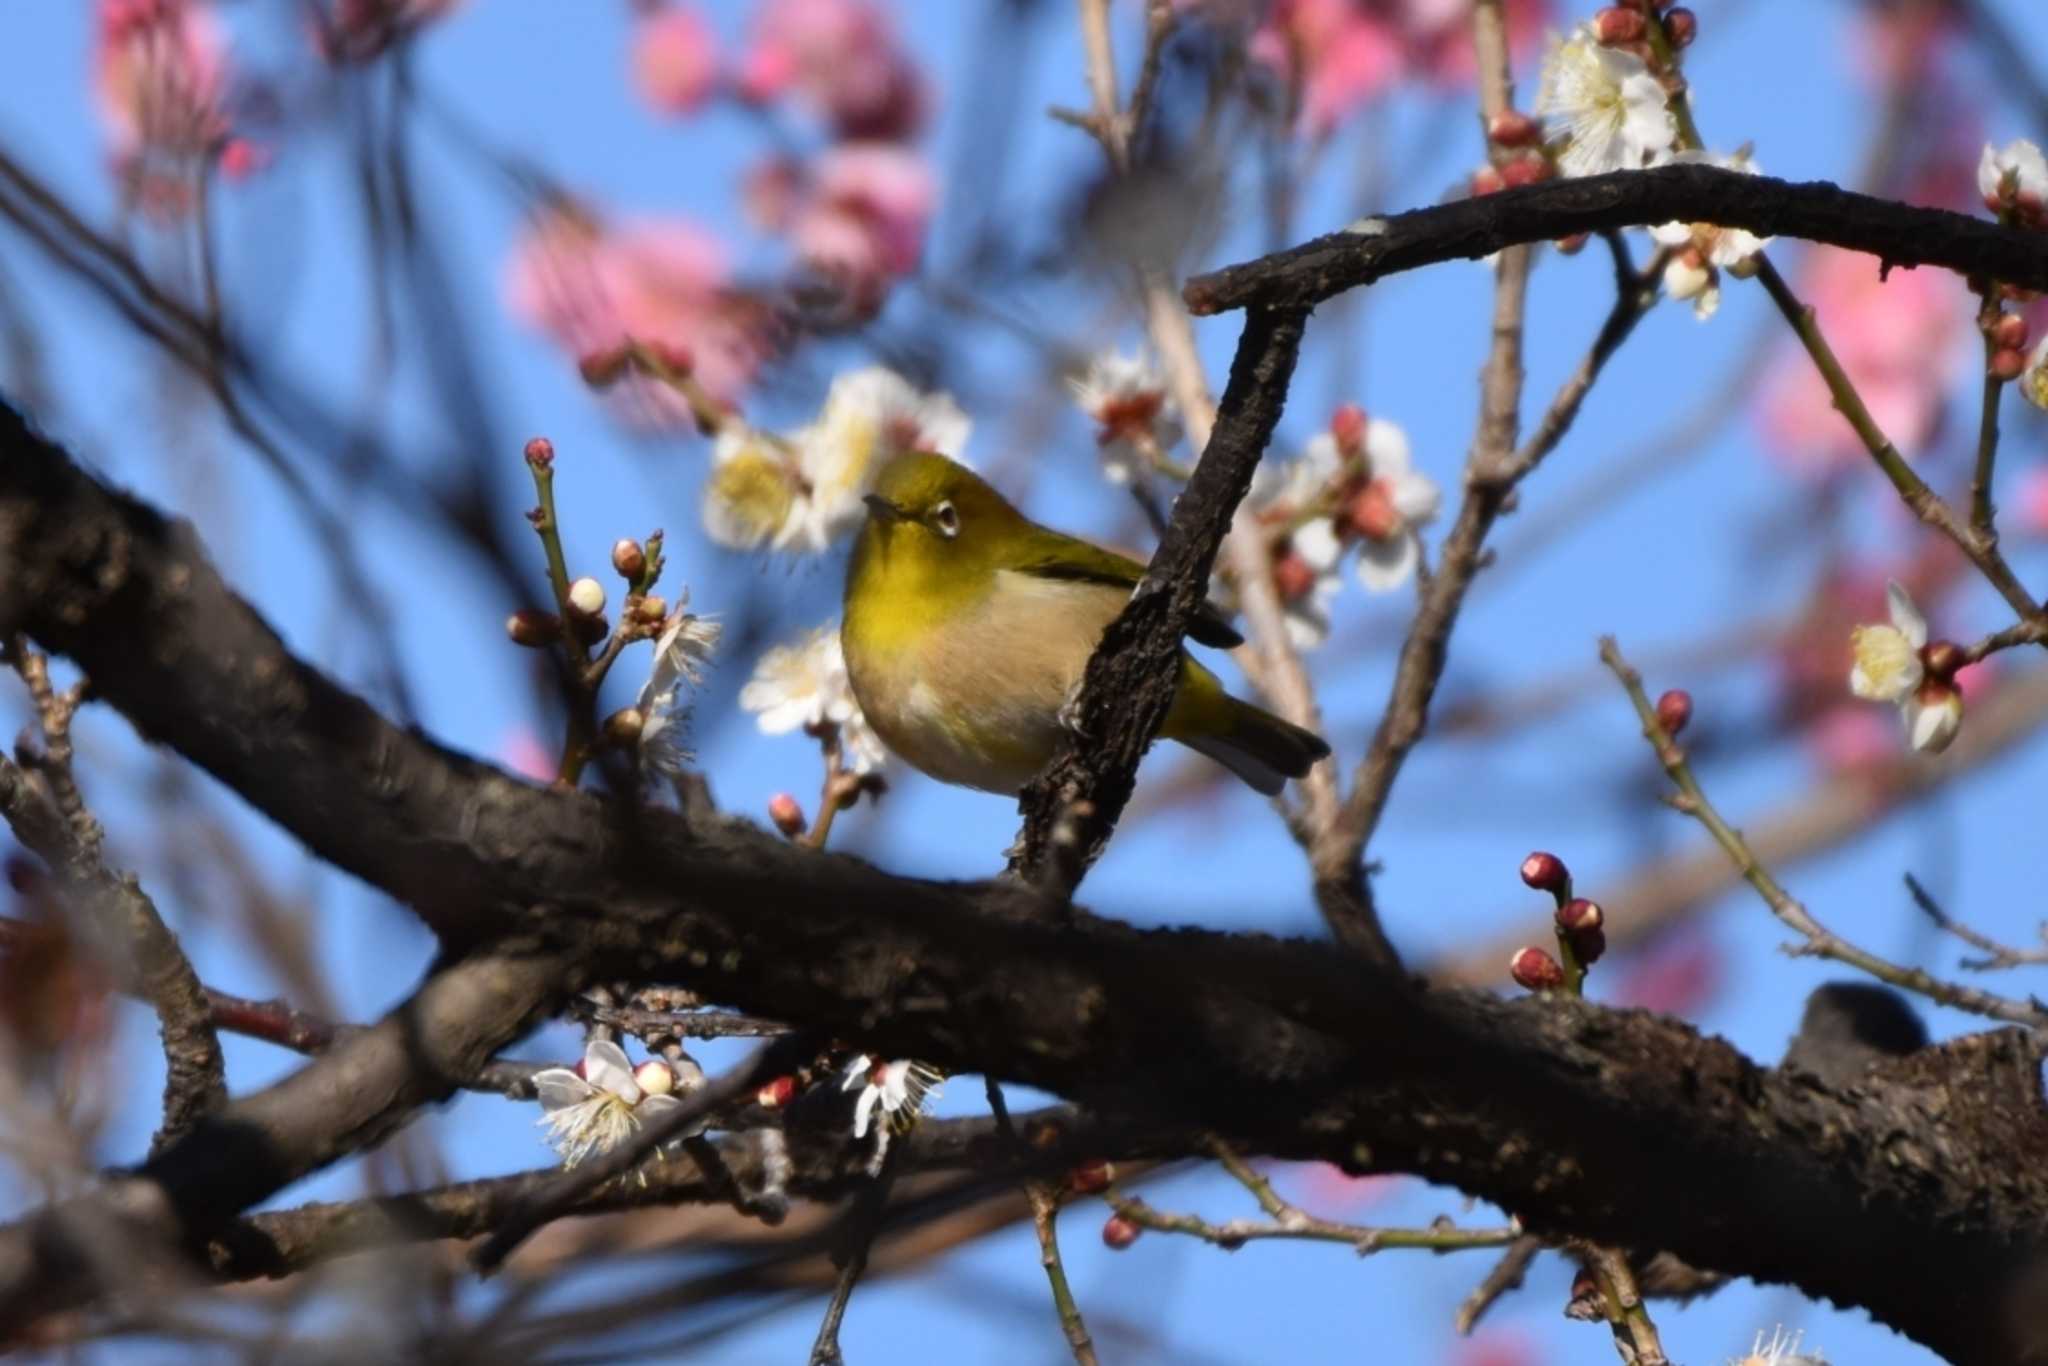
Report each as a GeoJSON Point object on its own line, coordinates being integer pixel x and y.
{"type": "Point", "coordinates": [651, 609]}
{"type": "Point", "coordinates": [540, 452]}
{"type": "Point", "coordinates": [1371, 513]}
{"type": "Point", "coordinates": [1573, 245]}
{"type": "Point", "coordinates": [787, 814]}
{"type": "Point", "coordinates": [603, 369]}
{"type": "Point", "coordinates": [1681, 26]}
{"type": "Point", "coordinates": [532, 628]}
{"type": "Point", "coordinates": [586, 596]}
{"type": "Point", "coordinates": [1674, 709]}
{"type": "Point", "coordinates": [1588, 944]}
{"type": "Point", "coordinates": [1486, 181]}
{"type": "Point", "coordinates": [1513, 128]}
{"type": "Point", "coordinates": [590, 630]}
{"type": "Point", "coordinates": [1535, 970]}
{"type": "Point", "coordinates": [1615, 25]}
{"type": "Point", "coordinates": [654, 1077]}
{"type": "Point", "coordinates": [1530, 169]}
{"type": "Point", "coordinates": [776, 1094]}
{"type": "Point", "coordinates": [1348, 425]}
{"type": "Point", "coordinates": [2008, 364]}
{"type": "Point", "coordinates": [623, 726]}
{"type": "Point", "coordinates": [1547, 873]}
{"type": "Point", "coordinates": [1118, 1232]}
{"type": "Point", "coordinates": [629, 561]}
{"type": "Point", "coordinates": [1294, 578]}
{"type": "Point", "coordinates": [2009, 331]}
{"type": "Point", "coordinates": [1580, 914]}
{"type": "Point", "coordinates": [1091, 1178]}
{"type": "Point", "coordinates": [1942, 658]}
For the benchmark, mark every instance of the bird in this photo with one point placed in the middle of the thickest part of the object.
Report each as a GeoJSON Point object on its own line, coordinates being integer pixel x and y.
{"type": "Point", "coordinates": [967, 628]}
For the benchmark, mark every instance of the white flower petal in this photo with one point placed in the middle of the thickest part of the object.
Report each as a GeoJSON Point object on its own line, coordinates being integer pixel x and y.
{"type": "Point", "coordinates": [1385, 565]}
{"type": "Point", "coordinates": [1386, 449]}
{"type": "Point", "coordinates": [864, 1110]}
{"type": "Point", "coordinates": [1932, 726]}
{"type": "Point", "coordinates": [1905, 615]}
{"type": "Point", "coordinates": [1415, 496]}
{"type": "Point", "coordinates": [559, 1088]}
{"type": "Point", "coordinates": [655, 1109]}
{"type": "Point", "coordinates": [606, 1068]}
{"type": "Point", "coordinates": [1317, 544]}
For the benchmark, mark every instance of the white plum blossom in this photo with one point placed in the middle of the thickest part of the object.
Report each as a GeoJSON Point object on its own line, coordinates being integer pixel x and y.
{"type": "Point", "coordinates": [1700, 251]}
{"type": "Point", "coordinates": [2033, 380]}
{"type": "Point", "coordinates": [598, 1105]}
{"type": "Point", "coordinates": [680, 654]}
{"type": "Point", "coordinates": [869, 417]}
{"type": "Point", "coordinates": [805, 685]}
{"type": "Point", "coordinates": [1891, 667]}
{"type": "Point", "coordinates": [1615, 113]}
{"type": "Point", "coordinates": [1780, 1351]}
{"type": "Point", "coordinates": [1135, 418]}
{"type": "Point", "coordinates": [899, 1089]}
{"type": "Point", "coordinates": [2015, 175]}
{"type": "Point", "coordinates": [755, 490]}
{"type": "Point", "coordinates": [1384, 510]}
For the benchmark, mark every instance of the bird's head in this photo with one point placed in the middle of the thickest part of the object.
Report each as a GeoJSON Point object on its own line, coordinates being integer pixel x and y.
{"type": "Point", "coordinates": [940, 513]}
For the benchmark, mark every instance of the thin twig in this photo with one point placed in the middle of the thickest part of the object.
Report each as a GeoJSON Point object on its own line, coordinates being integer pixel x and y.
{"type": "Point", "coordinates": [1817, 939]}
{"type": "Point", "coordinates": [1045, 1208]}
{"type": "Point", "coordinates": [857, 1239]}
{"type": "Point", "coordinates": [1507, 1275]}
{"type": "Point", "coordinates": [1635, 1336]}
{"type": "Point", "coordinates": [2002, 955]}
{"type": "Point", "coordinates": [1983, 515]}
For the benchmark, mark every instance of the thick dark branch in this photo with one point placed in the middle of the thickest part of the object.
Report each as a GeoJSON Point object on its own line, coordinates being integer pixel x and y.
{"type": "Point", "coordinates": [1898, 234]}
{"type": "Point", "coordinates": [1277, 1047]}
{"type": "Point", "coordinates": [1071, 808]}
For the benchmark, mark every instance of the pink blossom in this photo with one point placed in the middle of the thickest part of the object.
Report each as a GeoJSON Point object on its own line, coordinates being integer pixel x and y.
{"type": "Point", "coordinates": [864, 223]}
{"type": "Point", "coordinates": [841, 58]}
{"type": "Point", "coordinates": [1322, 1186]}
{"type": "Point", "coordinates": [1680, 973]}
{"type": "Point", "coordinates": [1498, 1347]}
{"type": "Point", "coordinates": [592, 286]}
{"type": "Point", "coordinates": [2027, 508]}
{"type": "Point", "coordinates": [1897, 339]}
{"type": "Point", "coordinates": [675, 59]}
{"type": "Point", "coordinates": [1895, 45]}
{"type": "Point", "coordinates": [522, 752]}
{"type": "Point", "coordinates": [1853, 739]}
{"type": "Point", "coordinates": [161, 75]}
{"type": "Point", "coordinates": [1442, 36]}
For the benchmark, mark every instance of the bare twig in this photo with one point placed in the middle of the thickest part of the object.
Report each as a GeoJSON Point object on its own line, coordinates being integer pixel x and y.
{"type": "Point", "coordinates": [1045, 1209]}
{"type": "Point", "coordinates": [1635, 1336]}
{"type": "Point", "coordinates": [2001, 955]}
{"type": "Point", "coordinates": [1507, 1275]}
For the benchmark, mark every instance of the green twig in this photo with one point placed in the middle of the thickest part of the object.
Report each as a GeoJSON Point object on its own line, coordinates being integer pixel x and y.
{"type": "Point", "coordinates": [1045, 1208]}
{"type": "Point", "coordinates": [1635, 1336]}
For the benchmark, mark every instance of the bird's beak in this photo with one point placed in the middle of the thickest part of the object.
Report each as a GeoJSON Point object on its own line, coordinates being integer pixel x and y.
{"type": "Point", "coordinates": [881, 509]}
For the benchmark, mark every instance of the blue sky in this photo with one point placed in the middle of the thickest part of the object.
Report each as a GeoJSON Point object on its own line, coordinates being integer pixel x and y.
{"type": "Point", "coordinates": [1690, 553]}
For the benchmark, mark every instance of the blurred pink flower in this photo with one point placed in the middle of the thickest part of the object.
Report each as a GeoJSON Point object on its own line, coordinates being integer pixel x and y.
{"type": "Point", "coordinates": [864, 221]}
{"type": "Point", "coordinates": [522, 752]}
{"type": "Point", "coordinates": [161, 76]}
{"type": "Point", "coordinates": [592, 286]}
{"type": "Point", "coordinates": [1852, 739]}
{"type": "Point", "coordinates": [1898, 340]}
{"type": "Point", "coordinates": [675, 59]}
{"type": "Point", "coordinates": [1893, 44]}
{"type": "Point", "coordinates": [1680, 973]}
{"type": "Point", "coordinates": [2026, 512]}
{"type": "Point", "coordinates": [839, 56]}
{"type": "Point", "coordinates": [1442, 36]}
{"type": "Point", "coordinates": [1498, 1347]}
{"type": "Point", "coordinates": [1323, 1188]}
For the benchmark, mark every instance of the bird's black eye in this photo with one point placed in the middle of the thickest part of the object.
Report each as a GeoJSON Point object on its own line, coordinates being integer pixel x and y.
{"type": "Point", "coordinates": [946, 520]}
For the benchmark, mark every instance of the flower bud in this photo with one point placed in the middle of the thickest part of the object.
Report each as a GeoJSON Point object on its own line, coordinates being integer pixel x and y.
{"type": "Point", "coordinates": [2008, 364]}
{"type": "Point", "coordinates": [540, 452]}
{"type": "Point", "coordinates": [1935, 716]}
{"type": "Point", "coordinates": [1573, 245]}
{"type": "Point", "coordinates": [787, 814]}
{"type": "Point", "coordinates": [1370, 513]}
{"type": "Point", "coordinates": [2010, 331]}
{"type": "Point", "coordinates": [651, 609]}
{"type": "Point", "coordinates": [776, 1094]}
{"type": "Point", "coordinates": [1486, 181]}
{"type": "Point", "coordinates": [1941, 659]}
{"type": "Point", "coordinates": [629, 561]}
{"type": "Point", "coordinates": [1091, 1178]}
{"type": "Point", "coordinates": [1118, 1232]}
{"type": "Point", "coordinates": [1547, 873]}
{"type": "Point", "coordinates": [586, 596]}
{"type": "Point", "coordinates": [1681, 26]}
{"type": "Point", "coordinates": [654, 1077]}
{"type": "Point", "coordinates": [1535, 970]}
{"type": "Point", "coordinates": [603, 369]}
{"type": "Point", "coordinates": [1513, 128]}
{"type": "Point", "coordinates": [1580, 914]}
{"type": "Point", "coordinates": [590, 630]}
{"type": "Point", "coordinates": [532, 628]}
{"type": "Point", "coordinates": [1674, 709]}
{"type": "Point", "coordinates": [1294, 578]}
{"type": "Point", "coordinates": [623, 726]}
{"type": "Point", "coordinates": [1588, 944]}
{"type": "Point", "coordinates": [1615, 25]}
{"type": "Point", "coordinates": [1348, 425]}
{"type": "Point", "coordinates": [1529, 169]}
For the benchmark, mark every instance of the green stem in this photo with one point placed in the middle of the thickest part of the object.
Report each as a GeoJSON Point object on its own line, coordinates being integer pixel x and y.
{"type": "Point", "coordinates": [1044, 1218]}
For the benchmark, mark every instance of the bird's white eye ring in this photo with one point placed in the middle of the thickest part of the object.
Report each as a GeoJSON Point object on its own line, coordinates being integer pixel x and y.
{"type": "Point", "coordinates": [947, 520]}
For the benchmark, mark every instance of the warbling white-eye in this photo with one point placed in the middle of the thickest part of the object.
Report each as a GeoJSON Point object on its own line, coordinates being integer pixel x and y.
{"type": "Point", "coordinates": [968, 627]}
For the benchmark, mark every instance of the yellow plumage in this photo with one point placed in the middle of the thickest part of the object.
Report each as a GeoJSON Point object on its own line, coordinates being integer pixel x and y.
{"type": "Point", "coordinates": [968, 627]}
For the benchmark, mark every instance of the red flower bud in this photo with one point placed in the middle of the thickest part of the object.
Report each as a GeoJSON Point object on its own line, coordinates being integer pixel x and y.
{"type": "Point", "coordinates": [629, 561]}
{"type": "Point", "coordinates": [1370, 513]}
{"type": "Point", "coordinates": [787, 814]}
{"type": "Point", "coordinates": [1674, 709]}
{"type": "Point", "coordinates": [1941, 659]}
{"type": "Point", "coordinates": [1615, 25]}
{"type": "Point", "coordinates": [1588, 943]}
{"type": "Point", "coordinates": [1546, 873]}
{"type": "Point", "coordinates": [540, 452]}
{"type": "Point", "coordinates": [1525, 170]}
{"type": "Point", "coordinates": [590, 630]}
{"type": "Point", "coordinates": [2008, 364]}
{"type": "Point", "coordinates": [1513, 128]}
{"type": "Point", "coordinates": [1348, 426]}
{"type": "Point", "coordinates": [1118, 1232]}
{"type": "Point", "coordinates": [603, 369]}
{"type": "Point", "coordinates": [1580, 914]}
{"type": "Point", "coordinates": [1535, 970]}
{"type": "Point", "coordinates": [533, 629]}
{"type": "Point", "coordinates": [776, 1094]}
{"type": "Point", "coordinates": [1091, 1178]}
{"type": "Point", "coordinates": [1293, 577]}
{"type": "Point", "coordinates": [1573, 245]}
{"type": "Point", "coordinates": [2010, 331]}
{"type": "Point", "coordinates": [1486, 180]}
{"type": "Point", "coordinates": [1681, 26]}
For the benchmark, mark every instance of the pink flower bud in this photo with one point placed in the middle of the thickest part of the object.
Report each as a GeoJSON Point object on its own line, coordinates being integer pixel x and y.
{"type": "Point", "coordinates": [629, 561]}
{"type": "Point", "coordinates": [1535, 970]}
{"type": "Point", "coordinates": [1588, 944]}
{"type": "Point", "coordinates": [1573, 245]}
{"type": "Point", "coordinates": [1580, 914]}
{"type": "Point", "coordinates": [1674, 709]}
{"type": "Point", "coordinates": [654, 1077]}
{"type": "Point", "coordinates": [787, 814]}
{"type": "Point", "coordinates": [776, 1094]}
{"type": "Point", "coordinates": [1513, 128]}
{"type": "Point", "coordinates": [1293, 577]}
{"type": "Point", "coordinates": [1370, 513]}
{"type": "Point", "coordinates": [1118, 1232]}
{"type": "Point", "coordinates": [1546, 873]}
{"type": "Point", "coordinates": [533, 629]}
{"type": "Point", "coordinates": [1525, 170]}
{"type": "Point", "coordinates": [1348, 425]}
{"type": "Point", "coordinates": [1614, 26]}
{"type": "Point", "coordinates": [1486, 180]}
{"type": "Point", "coordinates": [240, 159]}
{"type": "Point", "coordinates": [586, 596]}
{"type": "Point", "coordinates": [1681, 26]}
{"type": "Point", "coordinates": [2010, 331]}
{"type": "Point", "coordinates": [2008, 364]}
{"type": "Point", "coordinates": [1091, 1178]}
{"type": "Point", "coordinates": [540, 452]}
{"type": "Point", "coordinates": [603, 369]}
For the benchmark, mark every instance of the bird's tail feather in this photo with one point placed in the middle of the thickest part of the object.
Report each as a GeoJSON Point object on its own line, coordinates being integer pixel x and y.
{"type": "Point", "coordinates": [1260, 748]}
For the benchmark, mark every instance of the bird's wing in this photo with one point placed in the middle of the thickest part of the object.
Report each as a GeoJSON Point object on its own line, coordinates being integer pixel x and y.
{"type": "Point", "coordinates": [1051, 555]}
